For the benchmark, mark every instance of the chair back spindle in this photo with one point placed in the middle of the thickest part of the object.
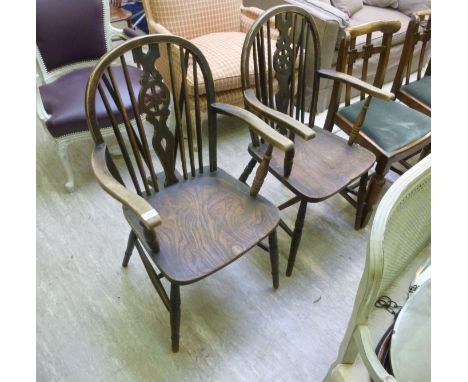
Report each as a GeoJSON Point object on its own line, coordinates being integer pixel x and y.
{"type": "Point", "coordinates": [275, 63]}
{"type": "Point", "coordinates": [160, 114]}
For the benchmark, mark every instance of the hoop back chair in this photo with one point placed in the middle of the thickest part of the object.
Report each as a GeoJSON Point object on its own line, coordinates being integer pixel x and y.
{"type": "Point", "coordinates": [274, 77]}
{"type": "Point", "coordinates": [188, 223]}
{"type": "Point", "coordinates": [416, 94]}
{"type": "Point", "coordinates": [400, 236]}
{"type": "Point", "coordinates": [392, 131]}
{"type": "Point", "coordinates": [70, 37]}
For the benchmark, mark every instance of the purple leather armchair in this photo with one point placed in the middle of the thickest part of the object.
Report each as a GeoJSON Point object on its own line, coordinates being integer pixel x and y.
{"type": "Point", "coordinates": [70, 37]}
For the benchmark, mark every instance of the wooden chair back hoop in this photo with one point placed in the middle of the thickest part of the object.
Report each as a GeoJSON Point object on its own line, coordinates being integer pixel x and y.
{"type": "Point", "coordinates": [276, 66]}
{"type": "Point", "coordinates": [152, 101]}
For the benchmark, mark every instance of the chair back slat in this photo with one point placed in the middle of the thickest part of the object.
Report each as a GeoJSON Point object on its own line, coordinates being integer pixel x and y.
{"type": "Point", "coordinates": [142, 107]}
{"type": "Point", "coordinates": [375, 48]}
{"type": "Point", "coordinates": [418, 35]}
{"type": "Point", "coordinates": [274, 63]}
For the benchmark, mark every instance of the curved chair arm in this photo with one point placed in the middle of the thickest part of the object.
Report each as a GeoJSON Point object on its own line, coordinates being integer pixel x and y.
{"type": "Point", "coordinates": [147, 214]}
{"type": "Point", "coordinates": [295, 126]}
{"type": "Point", "coordinates": [374, 367]}
{"type": "Point", "coordinates": [357, 83]}
{"type": "Point", "coordinates": [40, 110]}
{"type": "Point", "coordinates": [257, 125]}
{"type": "Point", "coordinates": [269, 134]}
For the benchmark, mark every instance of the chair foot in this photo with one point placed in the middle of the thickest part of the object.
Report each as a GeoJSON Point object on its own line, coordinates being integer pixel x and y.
{"type": "Point", "coordinates": [62, 149]}
{"type": "Point", "coordinates": [273, 246]}
{"type": "Point", "coordinates": [296, 239]}
{"type": "Point", "coordinates": [247, 170]}
{"type": "Point", "coordinates": [129, 250]}
{"type": "Point", "coordinates": [175, 316]}
{"type": "Point", "coordinates": [361, 197]}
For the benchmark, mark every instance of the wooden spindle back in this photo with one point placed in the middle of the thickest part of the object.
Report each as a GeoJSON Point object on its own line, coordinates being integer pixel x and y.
{"type": "Point", "coordinates": [156, 129]}
{"type": "Point", "coordinates": [375, 48]}
{"type": "Point", "coordinates": [418, 33]}
{"type": "Point", "coordinates": [281, 54]}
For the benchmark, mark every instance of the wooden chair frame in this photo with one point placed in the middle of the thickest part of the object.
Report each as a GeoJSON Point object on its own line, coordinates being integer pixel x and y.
{"type": "Point", "coordinates": [419, 31]}
{"type": "Point", "coordinates": [281, 101]}
{"type": "Point", "coordinates": [347, 55]}
{"type": "Point", "coordinates": [142, 216]}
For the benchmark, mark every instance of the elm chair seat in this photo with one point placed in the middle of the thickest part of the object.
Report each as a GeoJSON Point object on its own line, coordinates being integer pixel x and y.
{"type": "Point", "coordinates": [319, 171]}
{"type": "Point", "coordinates": [209, 221]}
{"type": "Point", "coordinates": [63, 100]}
{"type": "Point", "coordinates": [390, 125]}
{"type": "Point", "coordinates": [420, 89]}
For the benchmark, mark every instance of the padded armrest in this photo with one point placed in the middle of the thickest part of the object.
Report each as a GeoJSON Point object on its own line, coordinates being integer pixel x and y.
{"type": "Point", "coordinates": [131, 33]}
{"type": "Point", "coordinates": [148, 216]}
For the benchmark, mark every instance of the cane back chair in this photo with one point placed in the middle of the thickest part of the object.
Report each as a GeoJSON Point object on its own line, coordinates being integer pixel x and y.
{"type": "Point", "coordinates": [70, 37]}
{"type": "Point", "coordinates": [399, 245]}
{"type": "Point", "coordinates": [273, 80]}
{"type": "Point", "coordinates": [189, 223]}
{"type": "Point", "coordinates": [416, 94]}
{"type": "Point", "coordinates": [392, 131]}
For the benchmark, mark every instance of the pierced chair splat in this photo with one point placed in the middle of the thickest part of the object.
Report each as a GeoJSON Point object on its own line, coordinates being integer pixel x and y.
{"type": "Point", "coordinates": [274, 77]}
{"type": "Point", "coordinates": [191, 218]}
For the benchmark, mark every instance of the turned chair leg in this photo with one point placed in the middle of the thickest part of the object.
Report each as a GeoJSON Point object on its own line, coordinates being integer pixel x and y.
{"type": "Point", "coordinates": [273, 245]}
{"type": "Point", "coordinates": [248, 170]}
{"type": "Point", "coordinates": [375, 188]}
{"type": "Point", "coordinates": [129, 250]}
{"type": "Point", "coordinates": [296, 239]}
{"type": "Point", "coordinates": [62, 149]}
{"type": "Point", "coordinates": [361, 197]}
{"type": "Point", "coordinates": [175, 316]}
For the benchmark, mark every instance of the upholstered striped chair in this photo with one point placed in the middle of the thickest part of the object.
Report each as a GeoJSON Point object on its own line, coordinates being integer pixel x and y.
{"type": "Point", "coordinates": [217, 28]}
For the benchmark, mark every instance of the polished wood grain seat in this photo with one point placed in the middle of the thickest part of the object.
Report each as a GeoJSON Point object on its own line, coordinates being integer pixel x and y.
{"type": "Point", "coordinates": [117, 13]}
{"type": "Point", "coordinates": [209, 221]}
{"type": "Point", "coordinates": [322, 166]}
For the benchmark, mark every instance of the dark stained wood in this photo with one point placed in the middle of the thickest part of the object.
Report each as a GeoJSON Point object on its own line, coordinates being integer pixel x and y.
{"type": "Point", "coordinates": [117, 13]}
{"type": "Point", "coordinates": [185, 226]}
{"type": "Point", "coordinates": [208, 222]}
{"type": "Point", "coordinates": [418, 32]}
{"type": "Point", "coordinates": [322, 164]}
{"type": "Point", "coordinates": [347, 55]}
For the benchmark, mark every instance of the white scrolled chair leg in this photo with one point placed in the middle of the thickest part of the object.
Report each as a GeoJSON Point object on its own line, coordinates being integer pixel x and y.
{"type": "Point", "coordinates": [62, 149]}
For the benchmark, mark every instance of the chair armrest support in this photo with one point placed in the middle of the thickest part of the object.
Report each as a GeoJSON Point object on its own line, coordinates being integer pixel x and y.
{"type": "Point", "coordinates": [295, 126]}
{"type": "Point", "coordinates": [373, 365]}
{"type": "Point", "coordinates": [256, 124]}
{"type": "Point", "coordinates": [157, 28]}
{"type": "Point", "coordinates": [356, 83]}
{"type": "Point", "coordinates": [270, 135]}
{"type": "Point", "coordinates": [148, 216]}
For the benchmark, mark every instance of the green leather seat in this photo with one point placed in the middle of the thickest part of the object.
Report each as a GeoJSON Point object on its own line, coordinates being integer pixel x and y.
{"type": "Point", "coordinates": [390, 124]}
{"type": "Point", "coordinates": [420, 89]}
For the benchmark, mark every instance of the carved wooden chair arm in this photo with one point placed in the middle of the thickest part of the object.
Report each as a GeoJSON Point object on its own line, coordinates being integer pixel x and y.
{"type": "Point", "coordinates": [148, 216]}
{"type": "Point", "coordinates": [363, 86]}
{"type": "Point", "coordinates": [257, 125]}
{"type": "Point", "coordinates": [295, 126]}
{"type": "Point", "coordinates": [374, 367]}
{"type": "Point", "coordinates": [357, 83]}
{"type": "Point", "coordinates": [269, 134]}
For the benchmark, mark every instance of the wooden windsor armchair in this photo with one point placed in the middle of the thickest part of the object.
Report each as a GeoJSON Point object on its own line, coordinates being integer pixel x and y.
{"type": "Point", "coordinates": [415, 94]}
{"type": "Point", "coordinates": [192, 218]}
{"type": "Point", "coordinates": [274, 78]}
{"type": "Point", "coordinates": [392, 131]}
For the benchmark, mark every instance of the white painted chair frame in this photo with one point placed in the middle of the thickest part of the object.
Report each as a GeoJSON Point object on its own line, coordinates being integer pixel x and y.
{"type": "Point", "coordinates": [357, 339]}
{"type": "Point", "coordinates": [43, 76]}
